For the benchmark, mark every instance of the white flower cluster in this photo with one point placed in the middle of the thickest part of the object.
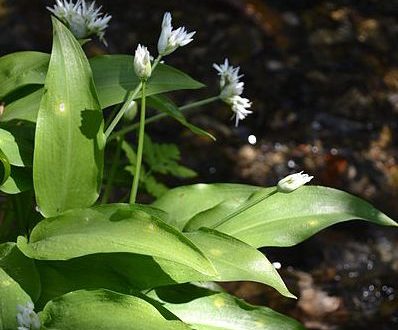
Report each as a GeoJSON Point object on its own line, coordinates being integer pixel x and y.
{"type": "Point", "coordinates": [82, 19]}
{"type": "Point", "coordinates": [27, 318]}
{"type": "Point", "coordinates": [232, 89]}
{"type": "Point", "coordinates": [293, 181]}
{"type": "Point", "coordinates": [170, 39]}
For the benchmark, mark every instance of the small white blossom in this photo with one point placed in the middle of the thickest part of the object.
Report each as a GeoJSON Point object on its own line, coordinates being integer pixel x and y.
{"type": "Point", "coordinates": [27, 318]}
{"type": "Point", "coordinates": [169, 39]}
{"type": "Point", "coordinates": [83, 20]}
{"type": "Point", "coordinates": [293, 181]}
{"type": "Point", "coordinates": [142, 62]}
{"type": "Point", "coordinates": [232, 89]}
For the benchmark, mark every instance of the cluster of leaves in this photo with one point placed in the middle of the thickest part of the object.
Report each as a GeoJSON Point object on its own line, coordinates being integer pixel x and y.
{"type": "Point", "coordinates": [133, 265]}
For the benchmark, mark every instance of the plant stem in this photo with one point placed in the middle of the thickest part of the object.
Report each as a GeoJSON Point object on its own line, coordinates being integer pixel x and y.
{"type": "Point", "coordinates": [140, 148]}
{"type": "Point", "coordinates": [128, 102]}
{"type": "Point", "coordinates": [162, 115]}
{"type": "Point", "coordinates": [115, 163]}
{"type": "Point", "coordinates": [246, 206]}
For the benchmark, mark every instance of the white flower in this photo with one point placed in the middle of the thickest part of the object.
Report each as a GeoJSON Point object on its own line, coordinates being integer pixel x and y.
{"type": "Point", "coordinates": [170, 39]}
{"type": "Point", "coordinates": [27, 318]}
{"type": "Point", "coordinates": [81, 19]}
{"type": "Point", "coordinates": [239, 106]}
{"type": "Point", "coordinates": [232, 89]}
{"type": "Point", "coordinates": [293, 181]}
{"type": "Point", "coordinates": [142, 62]}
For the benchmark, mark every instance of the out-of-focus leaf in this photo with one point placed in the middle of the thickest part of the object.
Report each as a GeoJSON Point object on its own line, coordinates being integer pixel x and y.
{"type": "Point", "coordinates": [20, 180]}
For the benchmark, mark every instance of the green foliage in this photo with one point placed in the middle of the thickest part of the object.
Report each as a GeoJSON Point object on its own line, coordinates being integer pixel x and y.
{"type": "Point", "coordinates": [159, 158]}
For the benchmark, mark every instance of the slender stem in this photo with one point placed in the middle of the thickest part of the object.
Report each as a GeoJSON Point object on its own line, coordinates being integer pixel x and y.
{"type": "Point", "coordinates": [136, 180]}
{"type": "Point", "coordinates": [124, 108]}
{"type": "Point", "coordinates": [162, 115]}
{"type": "Point", "coordinates": [128, 102]}
{"type": "Point", "coordinates": [115, 164]}
{"type": "Point", "coordinates": [246, 206]}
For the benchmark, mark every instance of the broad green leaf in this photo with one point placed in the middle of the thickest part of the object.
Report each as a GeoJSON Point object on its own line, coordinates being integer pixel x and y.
{"type": "Point", "coordinates": [114, 78]}
{"type": "Point", "coordinates": [11, 295]}
{"type": "Point", "coordinates": [108, 229]}
{"type": "Point", "coordinates": [5, 168]}
{"type": "Point", "coordinates": [286, 219]}
{"type": "Point", "coordinates": [69, 141]}
{"type": "Point", "coordinates": [204, 309]}
{"type": "Point", "coordinates": [20, 180]}
{"type": "Point", "coordinates": [103, 309]}
{"type": "Point", "coordinates": [183, 203]}
{"type": "Point", "coordinates": [162, 103]}
{"type": "Point", "coordinates": [21, 69]}
{"type": "Point", "coordinates": [16, 141]}
{"type": "Point", "coordinates": [20, 268]}
{"type": "Point", "coordinates": [24, 108]}
{"type": "Point", "coordinates": [237, 261]}
{"type": "Point", "coordinates": [122, 272]}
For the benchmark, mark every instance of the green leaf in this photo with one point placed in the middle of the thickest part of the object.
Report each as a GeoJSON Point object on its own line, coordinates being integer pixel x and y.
{"type": "Point", "coordinates": [24, 108]}
{"type": "Point", "coordinates": [5, 168]}
{"type": "Point", "coordinates": [114, 78]}
{"type": "Point", "coordinates": [237, 261]}
{"type": "Point", "coordinates": [103, 309]}
{"type": "Point", "coordinates": [21, 69]}
{"type": "Point", "coordinates": [69, 142]}
{"type": "Point", "coordinates": [183, 203]}
{"type": "Point", "coordinates": [11, 295]}
{"type": "Point", "coordinates": [164, 104]}
{"type": "Point", "coordinates": [286, 219]}
{"type": "Point", "coordinates": [205, 309]}
{"type": "Point", "coordinates": [20, 180]}
{"type": "Point", "coordinates": [20, 268]}
{"type": "Point", "coordinates": [122, 272]}
{"type": "Point", "coordinates": [108, 229]}
{"type": "Point", "coordinates": [16, 141]}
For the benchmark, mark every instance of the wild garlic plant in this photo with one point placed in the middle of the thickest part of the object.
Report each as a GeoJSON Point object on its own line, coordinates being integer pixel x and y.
{"type": "Point", "coordinates": [72, 260]}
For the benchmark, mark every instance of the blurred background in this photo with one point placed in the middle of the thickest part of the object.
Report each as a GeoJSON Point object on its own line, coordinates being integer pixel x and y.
{"type": "Point", "coordinates": [323, 78]}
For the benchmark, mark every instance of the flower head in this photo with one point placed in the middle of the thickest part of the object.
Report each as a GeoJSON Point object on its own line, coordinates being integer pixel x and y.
{"type": "Point", "coordinates": [83, 20]}
{"type": "Point", "coordinates": [169, 39]}
{"type": "Point", "coordinates": [293, 181]}
{"type": "Point", "coordinates": [142, 62]}
{"type": "Point", "coordinates": [27, 318]}
{"type": "Point", "coordinates": [232, 89]}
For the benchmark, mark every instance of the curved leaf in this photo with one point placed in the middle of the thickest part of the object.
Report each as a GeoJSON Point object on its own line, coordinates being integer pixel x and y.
{"type": "Point", "coordinates": [17, 144]}
{"type": "Point", "coordinates": [11, 295]}
{"type": "Point", "coordinates": [5, 168]}
{"type": "Point", "coordinates": [183, 203]}
{"type": "Point", "coordinates": [21, 69]}
{"type": "Point", "coordinates": [205, 309]}
{"type": "Point", "coordinates": [69, 140]}
{"type": "Point", "coordinates": [20, 268]}
{"type": "Point", "coordinates": [106, 230]}
{"type": "Point", "coordinates": [114, 78]}
{"type": "Point", "coordinates": [103, 309]}
{"type": "Point", "coordinates": [122, 271]}
{"type": "Point", "coordinates": [20, 180]}
{"type": "Point", "coordinates": [285, 219]}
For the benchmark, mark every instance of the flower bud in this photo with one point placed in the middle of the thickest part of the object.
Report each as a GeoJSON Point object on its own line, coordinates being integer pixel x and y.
{"type": "Point", "coordinates": [293, 181]}
{"type": "Point", "coordinates": [142, 63]}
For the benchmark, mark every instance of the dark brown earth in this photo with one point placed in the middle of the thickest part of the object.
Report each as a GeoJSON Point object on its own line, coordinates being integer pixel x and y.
{"type": "Point", "coordinates": [323, 78]}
